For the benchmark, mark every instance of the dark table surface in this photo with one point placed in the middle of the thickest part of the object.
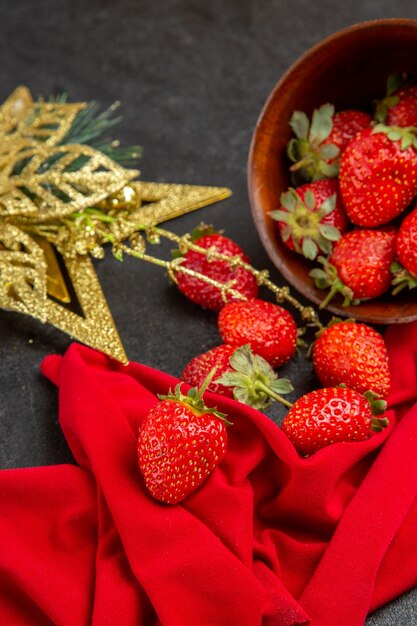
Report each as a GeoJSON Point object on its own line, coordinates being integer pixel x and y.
{"type": "Point", "coordinates": [192, 77]}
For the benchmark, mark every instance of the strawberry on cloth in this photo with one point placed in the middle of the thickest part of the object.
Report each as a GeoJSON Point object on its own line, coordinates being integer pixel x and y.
{"type": "Point", "coordinates": [255, 545]}
{"type": "Point", "coordinates": [239, 374]}
{"type": "Point", "coordinates": [200, 366]}
{"type": "Point", "coordinates": [181, 441]}
{"type": "Point", "coordinates": [354, 355]}
{"type": "Point", "coordinates": [331, 415]}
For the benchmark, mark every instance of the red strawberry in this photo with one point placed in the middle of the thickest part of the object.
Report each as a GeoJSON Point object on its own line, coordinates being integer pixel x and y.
{"type": "Point", "coordinates": [407, 243]}
{"type": "Point", "coordinates": [399, 107]}
{"type": "Point", "coordinates": [197, 370]}
{"type": "Point", "coordinates": [405, 272]}
{"type": "Point", "coordinates": [378, 174]}
{"type": "Point", "coordinates": [318, 146]}
{"type": "Point", "coordinates": [204, 294]}
{"type": "Point", "coordinates": [404, 111]}
{"type": "Point", "coordinates": [359, 267]}
{"type": "Point", "coordinates": [311, 217]}
{"type": "Point", "coordinates": [238, 373]}
{"type": "Point", "coordinates": [180, 443]}
{"type": "Point", "coordinates": [331, 415]}
{"type": "Point", "coordinates": [354, 355]}
{"type": "Point", "coordinates": [346, 124]}
{"type": "Point", "coordinates": [269, 329]}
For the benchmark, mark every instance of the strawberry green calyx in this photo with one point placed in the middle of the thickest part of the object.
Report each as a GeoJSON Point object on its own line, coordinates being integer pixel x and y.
{"type": "Point", "coordinates": [300, 342]}
{"type": "Point", "coordinates": [304, 224]}
{"type": "Point", "coordinates": [333, 322]}
{"type": "Point", "coordinates": [200, 231]}
{"type": "Point", "coordinates": [253, 380]}
{"type": "Point", "coordinates": [306, 151]}
{"type": "Point", "coordinates": [378, 407]}
{"type": "Point", "coordinates": [194, 399]}
{"type": "Point", "coordinates": [395, 82]}
{"type": "Point", "coordinates": [377, 404]}
{"type": "Point", "coordinates": [204, 229]}
{"type": "Point", "coordinates": [407, 136]}
{"type": "Point", "coordinates": [403, 279]}
{"type": "Point", "coordinates": [384, 106]}
{"type": "Point", "coordinates": [328, 278]}
{"type": "Point", "coordinates": [379, 423]}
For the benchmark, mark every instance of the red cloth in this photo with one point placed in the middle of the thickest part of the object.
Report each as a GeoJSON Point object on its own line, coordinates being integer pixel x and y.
{"type": "Point", "coordinates": [270, 538]}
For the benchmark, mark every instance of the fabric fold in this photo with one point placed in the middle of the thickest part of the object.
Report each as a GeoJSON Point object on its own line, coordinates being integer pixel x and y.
{"type": "Point", "coordinates": [270, 539]}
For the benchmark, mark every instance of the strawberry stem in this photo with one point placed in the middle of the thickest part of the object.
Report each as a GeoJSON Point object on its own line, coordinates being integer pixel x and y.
{"type": "Point", "coordinates": [300, 164]}
{"type": "Point", "coordinates": [194, 399]}
{"type": "Point", "coordinates": [402, 278]}
{"type": "Point", "coordinates": [201, 391]}
{"type": "Point", "coordinates": [379, 423]}
{"type": "Point", "coordinates": [253, 380]}
{"type": "Point", "coordinates": [331, 294]}
{"type": "Point", "coordinates": [268, 391]}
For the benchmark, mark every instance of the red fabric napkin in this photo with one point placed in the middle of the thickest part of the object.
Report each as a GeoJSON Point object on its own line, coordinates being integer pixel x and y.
{"type": "Point", "coordinates": [270, 539]}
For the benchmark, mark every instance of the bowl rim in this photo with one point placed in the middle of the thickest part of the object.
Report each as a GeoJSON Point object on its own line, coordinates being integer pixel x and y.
{"type": "Point", "coordinates": [253, 174]}
{"type": "Point", "coordinates": [339, 34]}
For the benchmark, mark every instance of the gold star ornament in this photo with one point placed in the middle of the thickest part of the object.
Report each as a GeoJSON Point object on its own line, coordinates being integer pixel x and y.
{"type": "Point", "coordinates": [64, 193]}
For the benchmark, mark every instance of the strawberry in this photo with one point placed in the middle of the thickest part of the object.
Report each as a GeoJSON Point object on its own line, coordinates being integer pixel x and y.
{"type": "Point", "coordinates": [311, 217]}
{"type": "Point", "coordinates": [405, 272]}
{"type": "Point", "coordinates": [269, 329]}
{"type": "Point", "coordinates": [318, 146]}
{"type": "Point", "coordinates": [332, 415]}
{"type": "Point", "coordinates": [404, 112]}
{"type": "Point", "coordinates": [378, 174]}
{"type": "Point", "coordinates": [359, 267]}
{"type": "Point", "coordinates": [207, 295]}
{"type": "Point", "coordinates": [345, 126]}
{"type": "Point", "coordinates": [239, 373]}
{"type": "Point", "coordinates": [354, 355]}
{"type": "Point", "coordinates": [399, 107]}
{"type": "Point", "coordinates": [197, 370]}
{"type": "Point", "coordinates": [180, 443]}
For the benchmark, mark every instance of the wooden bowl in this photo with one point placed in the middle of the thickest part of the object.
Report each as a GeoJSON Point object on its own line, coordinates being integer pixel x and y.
{"type": "Point", "coordinates": [348, 69]}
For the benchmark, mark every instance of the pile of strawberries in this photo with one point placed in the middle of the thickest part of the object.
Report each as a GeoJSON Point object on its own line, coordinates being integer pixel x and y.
{"type": "Point", "coordinates": [352, 207]}
{"type": "Point", "coordinates": [181, 441]}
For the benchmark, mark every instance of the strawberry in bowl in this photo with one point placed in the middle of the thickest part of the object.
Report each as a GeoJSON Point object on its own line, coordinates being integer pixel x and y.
{"type": "Point", "coordinates": [318, 146]}
{"type": "Point", "coordinates": [305, 135]}
{"type": "Point", "coordinates": [311, 218]}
